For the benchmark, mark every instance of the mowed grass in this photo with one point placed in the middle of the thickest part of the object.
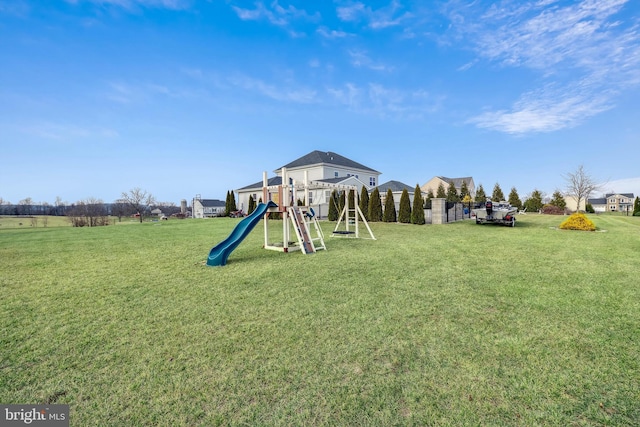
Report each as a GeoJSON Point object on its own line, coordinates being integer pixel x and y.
{"type": "Point", "coordinates": [456, 324]}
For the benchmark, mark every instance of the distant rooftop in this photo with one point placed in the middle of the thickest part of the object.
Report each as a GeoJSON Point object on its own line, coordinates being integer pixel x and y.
{"type": "Point", "coordinates": [325, 157]}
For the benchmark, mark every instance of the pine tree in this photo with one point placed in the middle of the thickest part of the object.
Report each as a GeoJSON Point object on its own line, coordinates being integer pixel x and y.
{"type": "Point", "coordinates": [497, 195]}
{"type": "Point", "coordinates": [417, 213]}
{"type": "Point", "coordinates": [464, 190]}
{"type": "Point", "coordinates": [481, 197]}
{"type": "Point", "coordinates": [227, 205]}
{"type": "Point", "coordinates": [341, 202]}
{"type": "Point", "coordinates": [404, 213]}
{"type": "Point", "coordinates": [252, 205]}
{"type": "Point", "coordinates": [427, 200]}
{"type": "Point", "coordinates": [441, 193]}
{"type": "Point", "coordinates": [636, 207]}
{"type": "Point", "coordinates": [333, 206]}
{"type": "Point", "coordinates": [557, 199]}
{"type": "Point", "coordinates": [232, 195]}
{"type": "Point", "coordinates": [375, 206]}
{"type": "Point", "coordinates": [534, 202]}
{"type": "Point", "coordinates": [389, 208]}
{"type": "Point", "coordinates": [364, 202]}
{"type": "Point", "coordinates": [452, 193]}
{"type": "Point", "coordinates": [352, 199]}
{"type": "Point", "coordinates": [514, 199]}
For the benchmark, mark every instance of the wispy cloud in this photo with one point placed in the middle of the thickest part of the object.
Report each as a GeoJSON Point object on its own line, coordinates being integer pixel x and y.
{"type": "Point", "coordinates": [277, 15]}
{"type": "Point", "coordinates": [331, 34]}
{"type": "Point", "coordinates": [587, 40]}
{"type": "Point", "coordinates": [66, 132]}
{"type": "Point", "coordinates": [389, 16]}
{"type": "Point", "coordinates": [361, 59]}
{"type": "Point", "coordinates": [384, 102]}
{"type": "Point", "coordinates": [135, 4]}
{"type": "Point", "coordinates": [282, 92]}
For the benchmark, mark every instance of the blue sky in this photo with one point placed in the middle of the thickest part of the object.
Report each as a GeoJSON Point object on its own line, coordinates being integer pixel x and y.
{"type": "Point", "coordinates": [186, 97]}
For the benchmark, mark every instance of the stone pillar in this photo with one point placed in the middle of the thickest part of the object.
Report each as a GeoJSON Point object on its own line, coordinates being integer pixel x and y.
{"type": "Point", "coordinates": [438, 211]}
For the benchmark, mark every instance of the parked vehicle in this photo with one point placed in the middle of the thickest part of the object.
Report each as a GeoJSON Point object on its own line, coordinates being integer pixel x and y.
{"type": "Point", "coordinates": [502, 213]}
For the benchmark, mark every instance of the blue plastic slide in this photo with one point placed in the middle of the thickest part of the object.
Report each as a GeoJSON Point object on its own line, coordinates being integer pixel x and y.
{"type": "Point", "coordinates": [220, 252]}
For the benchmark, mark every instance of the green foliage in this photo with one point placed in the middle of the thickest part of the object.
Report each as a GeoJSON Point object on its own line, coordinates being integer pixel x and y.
{"type": "Point", "coordinates": [427, 199]}
{"type": "Point", "coordinates": [497, 195]}
{"type": "Point", "coordinates": [389, 208]}
{"type": "Point", "coordinates": [364, 202]}
{"type": "Point", "coordinates": [333, 214]}
{"type": "Point", "coordinates": [441, 192]}
{"type": "Point", "coordinates": [589, 208]}
{"type": "Point", "coordinates": [252, 205]}
{"type": "Point", "coordinates": [636, 207]}
{"type": "Point", "coordinates": [464, 190]}
{"type": "Point", "coordinates": [481, 197]}
{"type": "Point", "coordinates": [227, 205]}
{"type": "Point", "coordinates": [352, 199]}
{"type": "Point", "coordinates": [341, 201]}
{"type": "Point", "coordinates": [578, 221]}
{"type": "Point", "coordinates": [452, 193]}
{"type": "Point", "coordinates": [557, 199]}
{"type": "Point", "coordinates": [514, 198]}
{"type": "Point", "coordinates": [375, 206]}
{"type": "Point", "coordinates": [534, 202]}
{"type": "Point", "coordinates": [417, 213]}
{"type": "Point", "coordinates": [404, 212]}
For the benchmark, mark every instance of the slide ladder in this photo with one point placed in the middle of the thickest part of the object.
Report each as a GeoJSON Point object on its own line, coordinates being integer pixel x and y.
{"type": "Point", "coordinates": [301, 227]}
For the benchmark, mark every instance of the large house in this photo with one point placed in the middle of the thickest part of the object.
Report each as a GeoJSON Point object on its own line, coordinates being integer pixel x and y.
{"type": "Point", "coordinates": [613, 202]}
{"type": "Point", "coordinates": [208, 208]}
{"type": "Point", "coordinates": [321, 167]}
{"type": "Point", "coordinates": [436, 181]}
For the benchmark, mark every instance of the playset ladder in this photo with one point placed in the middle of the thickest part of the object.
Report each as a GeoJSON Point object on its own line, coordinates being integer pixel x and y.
{"type": "Point", "coordinates": [302, 230]}
{"type": "Point", "coordinates": [319, 233]}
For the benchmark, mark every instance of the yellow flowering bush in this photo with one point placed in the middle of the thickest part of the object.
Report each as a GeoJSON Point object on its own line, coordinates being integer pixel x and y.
{"type": "Point", "coordinates": [578, 221]}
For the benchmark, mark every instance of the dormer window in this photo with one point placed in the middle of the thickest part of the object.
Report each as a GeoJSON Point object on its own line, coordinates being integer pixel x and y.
{"type": "Point", "coordinates": [335, 174]}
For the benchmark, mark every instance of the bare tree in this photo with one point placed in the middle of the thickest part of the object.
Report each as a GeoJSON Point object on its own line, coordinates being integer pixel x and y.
{"type": "Point", "coordinates": [138, 199]}
{"type": "Point", "coordinates": [90, 212]}
{"type": "Point", "coordinates": [580, 185]}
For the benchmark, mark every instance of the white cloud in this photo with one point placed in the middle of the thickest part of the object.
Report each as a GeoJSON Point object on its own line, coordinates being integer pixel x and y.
{"type": "Point", "coordinates": [283, 93]}
{"type": "Point", "coordinates": [361, 59]}
{"type": "Point", "coordinates": [585, 51]}
{"type": "Point", "coordinates": [331, 34]}
{"type": "Point", "coordinates": [134, 4]}
{"type": "Point", "coordinates": [625, 185]}
{"type": "Point", "coordinates": [388, 16]}
{"type": "Point", "coordinates": [275, 14]}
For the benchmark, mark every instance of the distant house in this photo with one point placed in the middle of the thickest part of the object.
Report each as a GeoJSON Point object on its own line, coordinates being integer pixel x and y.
{"type": "Point", "coordinates": [435, 182]}
{"type": "Point", "coordinates": [208, 208]}
{"type": "Point", "coordinates": [321, 167]}
{"type": "Point", "coordinates": [613, 202]}
{"type": "Point", "coordinates": [396, 189]}
{"type": "Point", "coordinates": [156, 212]}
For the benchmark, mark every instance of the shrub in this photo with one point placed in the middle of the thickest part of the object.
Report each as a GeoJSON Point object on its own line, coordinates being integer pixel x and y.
{"type": "Point", "coordinates": [578, 221]}
{"type": "Point", "coordinates": [552, 210]}
{"type": "Point", "coordinates": [589, 208]}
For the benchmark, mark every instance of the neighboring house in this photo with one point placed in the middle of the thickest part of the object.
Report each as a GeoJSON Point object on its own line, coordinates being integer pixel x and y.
{"type": "Point", "coordinates": [435, 182]}
{"type": "Point", "coordinates": [396, 189]}
{"type": "Point", "coordinates": [323, 168]}
{"type": "Point", "coordinates": [208, 208]}
{"type": "Point", "coordinates": [613, 202]}
{"type": "Point", "coordinates": [156, 212]}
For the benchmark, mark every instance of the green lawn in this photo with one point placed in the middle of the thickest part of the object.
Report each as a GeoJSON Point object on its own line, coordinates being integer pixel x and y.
{"type": "Point", "coordinates": [456, 324]}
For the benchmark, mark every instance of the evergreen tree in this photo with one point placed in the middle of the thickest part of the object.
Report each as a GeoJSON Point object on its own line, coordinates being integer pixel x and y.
{"type": "Point", "coordinates": [404, 213]}
{"type": "Point", "coordinates": [375, 206]}
{"type": "Point", "coordinates": [441, 193]}
{"type": "Point", "coordinates": [636, 207]}
{"type": "Point", "coordinates": [481, 197]}
{"type": "Point", "coordinates": [389, 208]}
{"type": "Point", "coordinates": [452, 193]}
{"type": "Point", "coordinates": [557, 199]}
{"type": "Point", "coordinates": [514, 199]}
{"type": "Point", "coordinates": [464, 190]}
{"type": "Point", "coordinates": [333, 207]}
{"type": "Point", "coordinates": [341, 202]}
{"type": "Point", "coordinates": [364, 202]}
{"type": "Point", "coordinates": [227, 205]}
{"type": "Point", "coordinates": [352, 199]}
{"type": "Point", "coordinates": [417, 214]}
{"type": "Point", "coordinates": [427, 199]}
{"type": "Point", "coordinates": [232, 195]}
{"type": "Point", "coordinates": [252, 205]}
{"type": "Point", "coordinates": [534, 202]}
{"type": "Point", "coordinates": [497, 195]}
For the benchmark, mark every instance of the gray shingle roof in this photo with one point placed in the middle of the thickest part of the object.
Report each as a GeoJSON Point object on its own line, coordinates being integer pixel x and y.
{"type": "Point", "coordinates": [395, 186]}
{"type": "Point", "coordinates": [326, 157]}
{"type": "Point", "coordinates": [457, 182]}
{"type": "Point", "coordinates": [212, 203]}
